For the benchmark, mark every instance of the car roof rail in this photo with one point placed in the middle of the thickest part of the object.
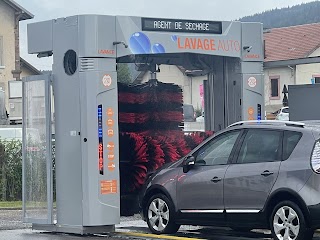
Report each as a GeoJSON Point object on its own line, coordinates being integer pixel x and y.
{"type": "Point", "coordinates": [269, 122]}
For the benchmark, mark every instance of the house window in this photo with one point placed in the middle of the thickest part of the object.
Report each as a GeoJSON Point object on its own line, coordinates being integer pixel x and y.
{"type": "Point", "coordinates": [274, 82]}
{"type": "Point", "coordinates": [1, 52]}
{"type": "Point", "coordinates": [317, 79]}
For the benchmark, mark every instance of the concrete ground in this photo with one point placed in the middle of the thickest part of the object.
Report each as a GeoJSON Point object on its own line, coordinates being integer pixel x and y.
{"type": "Point", "coordinates": [12, 228]}
{"type": "Point", "coordinates": [12, 219]}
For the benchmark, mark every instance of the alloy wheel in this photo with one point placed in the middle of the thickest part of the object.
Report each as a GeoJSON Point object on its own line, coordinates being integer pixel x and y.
{"type": "Point", "coordinates": [286, 223]}
{"type": "Point", "coordinates": [158, 214]}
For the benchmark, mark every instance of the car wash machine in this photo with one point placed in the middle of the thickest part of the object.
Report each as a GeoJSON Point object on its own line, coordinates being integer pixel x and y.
{"type": "Point", "coordinates": [86, 50]}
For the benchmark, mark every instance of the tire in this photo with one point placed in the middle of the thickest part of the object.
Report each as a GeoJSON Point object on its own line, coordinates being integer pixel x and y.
{"type": "Point", "coordinates": [288, 219]}
{"type": "Point", "coordinates": [241, 229]}
{"type": "Point", "coordinates": [160, 215]}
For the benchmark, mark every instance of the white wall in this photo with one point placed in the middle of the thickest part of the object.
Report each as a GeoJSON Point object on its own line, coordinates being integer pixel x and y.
{"type": "Point", "coordinates": [286, 76]}
{"type": "Point", "coordinates": [189, 85]}
{"type": "Point", "coordinates": [306, 71]}
{"type": "Point", "coordinates": [7, 18]}
{"type": "Point", "coordinates": [316, 53]}
{"type": "Point", "coordinates": [168, 74]}
{"type": "Point", "coordinates": [301, 75]}
{"type": "Point", "coordinates": [195, 93]}
{"type": "Point", "coordinates": [26, 72]}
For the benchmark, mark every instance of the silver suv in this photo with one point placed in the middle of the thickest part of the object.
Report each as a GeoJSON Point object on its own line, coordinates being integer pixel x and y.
{"type": "Point", "coordinates": [262, 174]}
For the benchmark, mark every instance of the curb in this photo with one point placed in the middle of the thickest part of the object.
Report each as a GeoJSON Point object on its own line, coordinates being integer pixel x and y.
{"type": "Point", "coordinates": [7, 209]}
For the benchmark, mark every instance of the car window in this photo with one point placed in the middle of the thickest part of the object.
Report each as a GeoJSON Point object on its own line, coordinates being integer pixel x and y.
{"type": "Point", "coordinates": [290, 141]}
{"type": "Point", "coordinates": [277, 112]}
{"type": "Point", "coordinates": [285, 110]}
{"type": "Point", "coordinates": [260, 146]}
{"type": "Point", "coordinates": [218, 150]}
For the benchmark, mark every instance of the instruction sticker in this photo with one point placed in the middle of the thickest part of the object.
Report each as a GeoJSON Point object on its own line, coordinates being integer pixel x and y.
{"type": "Point", "coordinates": [110, 146]}
{"type": "Point", "coordinates": [111, 156]}
{"type": "Point", "coordinates": [106, 80]}
{"type": "Point", "coordinates": [108, 187]}
{"type": "Point", "coordinates": [110, 112]}
{"type": "Point", "coordinates": [110, 132]}
{"type": "Point", "coordinates": [251, 111]}
{"type": "Point", "coordinates": [110, 122]}
{"type": "Point", "coordinates": [252, 82]}
{"type": "Point", "coordinates": [111, 166]}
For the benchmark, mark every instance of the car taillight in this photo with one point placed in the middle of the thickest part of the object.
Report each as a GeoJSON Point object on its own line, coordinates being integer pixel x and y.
{"type": "Point", "coordinates": [315, 158]}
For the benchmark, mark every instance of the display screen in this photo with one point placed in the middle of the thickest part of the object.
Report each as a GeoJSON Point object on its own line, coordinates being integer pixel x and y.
{"type": "Point", "coordinates": [186, 26]}
{"type": "Point", "coordinates": [100, 137]}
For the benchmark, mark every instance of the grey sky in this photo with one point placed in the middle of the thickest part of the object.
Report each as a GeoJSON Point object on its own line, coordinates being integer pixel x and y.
{"type": "Point", "coordinates": [183, 9]}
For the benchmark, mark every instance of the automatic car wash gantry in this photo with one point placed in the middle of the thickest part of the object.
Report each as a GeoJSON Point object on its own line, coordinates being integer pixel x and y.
{"type": "Point", "coordinates": [86, 50]}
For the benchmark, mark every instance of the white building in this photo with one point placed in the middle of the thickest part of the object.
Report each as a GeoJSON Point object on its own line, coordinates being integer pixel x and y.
{"type": "Point", "coordinates": [12, 67]}
{"type": "Point", "coordinates": [291, 57]}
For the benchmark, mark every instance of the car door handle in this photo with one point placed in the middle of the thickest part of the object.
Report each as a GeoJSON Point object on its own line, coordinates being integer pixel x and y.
{"type": "Point", "coordinates": [216, 179]}
{"type": "Point", "coordinates": [266, 173]}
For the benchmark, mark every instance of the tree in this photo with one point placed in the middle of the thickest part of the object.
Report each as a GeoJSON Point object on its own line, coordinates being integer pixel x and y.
{"type": "Point", "coordinates": [123, 72]}
{"type": "Point", "coordinates": [296, 15]}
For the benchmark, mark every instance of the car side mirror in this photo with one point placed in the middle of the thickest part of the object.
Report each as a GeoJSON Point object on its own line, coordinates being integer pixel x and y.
{"type": "Point", "coordinates": [189, 163]}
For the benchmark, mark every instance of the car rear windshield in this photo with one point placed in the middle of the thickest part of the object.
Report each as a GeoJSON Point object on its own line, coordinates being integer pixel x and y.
{"type": "Point", "coordinates": [290, 141]}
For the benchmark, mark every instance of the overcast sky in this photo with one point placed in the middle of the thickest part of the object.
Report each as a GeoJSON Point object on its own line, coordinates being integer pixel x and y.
{"type": "Point", "coordinates": [183, 9]}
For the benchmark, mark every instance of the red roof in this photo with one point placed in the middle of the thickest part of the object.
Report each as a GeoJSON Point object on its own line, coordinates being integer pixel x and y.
{"type": "Point", "coordinates": [291, 42]}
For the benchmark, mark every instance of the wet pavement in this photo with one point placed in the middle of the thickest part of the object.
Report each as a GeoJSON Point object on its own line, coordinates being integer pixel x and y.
{"type": "Point", "coordinates": [11, 219]}
{"type": "Point", "coordinates": [136, 233]}
{"type": "Point", "coordinates": [12, 228]}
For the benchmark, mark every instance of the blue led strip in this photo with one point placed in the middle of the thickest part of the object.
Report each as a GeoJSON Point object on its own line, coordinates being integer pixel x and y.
{"type": "Point", "coordinates": [100, 137]}
{"type": "Point", "coordinates": [259, 112]}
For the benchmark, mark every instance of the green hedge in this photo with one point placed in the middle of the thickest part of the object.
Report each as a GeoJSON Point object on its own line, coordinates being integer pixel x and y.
{"type": "Point", "coordinates": [10, 170]}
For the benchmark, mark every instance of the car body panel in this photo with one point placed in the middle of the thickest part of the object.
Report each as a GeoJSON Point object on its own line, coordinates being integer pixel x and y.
{"type": "Point", "coordinates": [295, 172]}
{"type": "Point", "coordinates": [197, 191]}
{"type": "Point", "coordinates": [165, 180]}
{"type": "Point", "coordinates": [245, 188]}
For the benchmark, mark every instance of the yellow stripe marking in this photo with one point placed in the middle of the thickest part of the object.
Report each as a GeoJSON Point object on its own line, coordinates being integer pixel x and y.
{"type": "Point", "coordinates": [149, 235]}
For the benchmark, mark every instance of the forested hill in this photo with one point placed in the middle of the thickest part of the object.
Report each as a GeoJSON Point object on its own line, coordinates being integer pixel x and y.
{"type": "Point", "coordinates": [297, 15]}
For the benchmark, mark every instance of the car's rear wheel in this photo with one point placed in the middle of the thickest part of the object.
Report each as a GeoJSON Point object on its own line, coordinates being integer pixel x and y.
{"type": "Point", "coordinates": [160, 215]}
{"type": "Point", "coordinates": [288, 223]}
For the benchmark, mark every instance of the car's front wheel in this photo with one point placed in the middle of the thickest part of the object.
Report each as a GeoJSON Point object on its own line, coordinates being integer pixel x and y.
{"type": "Point", "coordinates": [160, 215]}
{"type": "Point", "coordinates": [287, 222]}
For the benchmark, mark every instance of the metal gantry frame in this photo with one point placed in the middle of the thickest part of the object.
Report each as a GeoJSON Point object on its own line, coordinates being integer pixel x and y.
{"type": "Point", "coordinates": [84, 82]}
